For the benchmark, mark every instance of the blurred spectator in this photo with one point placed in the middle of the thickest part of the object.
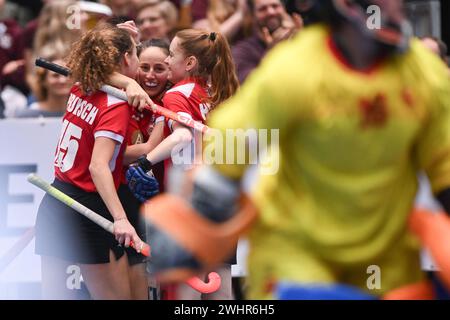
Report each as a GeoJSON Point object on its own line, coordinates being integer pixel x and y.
{"type": "Point", "coordinates": [18, 13]}
{"type": "Point", "coordinates": [28, 36]}
{"type": "Point", "coordinates": [156, 19]}
{"type": "Point", "coordinates": [92, 13]}
{"type": "Point", "coordinates": [195, 8]}
{"type": "Point", "coordinates": [55, 26]}
{"type": "Point", "coordinates": [122, 8]}
{"type": "Point", "coordinates": [308, 9]}
{"type": "Point", "coordinates": [231, 18]}
{"type": "Point", "coordinates": [51, 89]}
{"type": "Point", "coordinates": [59, 25]}
{"type": "Point", "coordinates": [134, 7]}
{"type": "Point", "coordinates": [190, 11]}
{"type": "Point", "coordinates": [13, 101]}
{"type": "Point", "coordinates": [272, 24]}
{"type": "Point", "coordinates": [179, 3]}
{"type": "Point", "coordinates": [437, 46]}
{"type": "Point", "coordinates": [11, 54]}
{"type": "Point", "coordinates": [62, 21]}
{"type": "Point", "coordinates": [33, 6]}
{"type": "Point", "coordinates": [184, 8]}
{"type": "Point", "coordinates": [199, 9]}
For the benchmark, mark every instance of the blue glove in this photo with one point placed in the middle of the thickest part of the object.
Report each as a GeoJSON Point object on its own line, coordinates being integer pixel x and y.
{"type": "Point", "coordinates": [142, 185]}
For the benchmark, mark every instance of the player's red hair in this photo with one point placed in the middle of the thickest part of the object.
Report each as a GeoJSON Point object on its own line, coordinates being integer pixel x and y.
{"type": "Point", "coordinates": [214, 59]}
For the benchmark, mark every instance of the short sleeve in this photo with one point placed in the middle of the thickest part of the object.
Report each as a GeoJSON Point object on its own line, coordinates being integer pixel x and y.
{"type": "Point", "coordinates": [113, 122]}
{"type": "Point", "coordinates": [177, 103]}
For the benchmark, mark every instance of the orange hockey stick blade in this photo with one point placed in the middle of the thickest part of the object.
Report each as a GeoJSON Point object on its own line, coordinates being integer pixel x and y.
{"type": "Point", "coordinates": [213, 284]}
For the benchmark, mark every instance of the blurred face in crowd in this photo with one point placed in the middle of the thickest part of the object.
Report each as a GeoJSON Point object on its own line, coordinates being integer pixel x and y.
{"type": "Point", "coordinates": [177, 62]}
{"type": "Point", "coordinates": [153, 71]}
{"type": "Point", "coordinates": [56, 84]}
{"type": "Point", "coordinates": [268, 13]}
{"type": "Point", "coordinates": [152, 24]}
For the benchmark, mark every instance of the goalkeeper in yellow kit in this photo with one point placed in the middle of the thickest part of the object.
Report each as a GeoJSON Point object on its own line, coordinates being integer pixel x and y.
{"type": "Point", "coordinates": [359, 112]}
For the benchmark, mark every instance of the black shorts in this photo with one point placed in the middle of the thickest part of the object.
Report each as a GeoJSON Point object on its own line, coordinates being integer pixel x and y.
{"type": "Point", "coordinates": [132, 206]}
{"type": "Point", "coordinates": [64, 233]}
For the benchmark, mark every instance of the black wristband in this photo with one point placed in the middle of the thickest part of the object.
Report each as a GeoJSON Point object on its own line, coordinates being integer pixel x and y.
{"type": "Point", "coordinates": [144, 163]}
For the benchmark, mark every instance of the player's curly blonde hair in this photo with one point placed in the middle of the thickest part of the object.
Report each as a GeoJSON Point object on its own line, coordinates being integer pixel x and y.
{"type": "Point", "coordinates": [97, 55]}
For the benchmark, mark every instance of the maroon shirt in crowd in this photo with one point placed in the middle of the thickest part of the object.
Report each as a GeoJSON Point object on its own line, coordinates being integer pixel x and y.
{"type": "Point", "coordinates": [247, 54]}
{"type": "Point", "coordinates": [29, 32]}
{"type": "Point", "coordinates": [11, 48]}
{"type": "Point", "coordinates": [198, 8]}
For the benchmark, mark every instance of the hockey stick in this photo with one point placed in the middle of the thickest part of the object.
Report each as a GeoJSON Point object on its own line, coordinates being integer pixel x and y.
{"type": "Point", "coordinates": [85, 211]}
{"type": "Point", "coordinates": [194, 282]}
{"type": "Point", "coordinates": [40, 62]}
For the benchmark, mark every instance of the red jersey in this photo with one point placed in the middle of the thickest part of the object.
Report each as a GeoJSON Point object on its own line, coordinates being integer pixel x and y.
{"type": "Point", "coordinates": [188, 98]}
{"type": "Point", "coordinates": [88, 117]}
{"type": "Point", "coordinates": [139, 130]}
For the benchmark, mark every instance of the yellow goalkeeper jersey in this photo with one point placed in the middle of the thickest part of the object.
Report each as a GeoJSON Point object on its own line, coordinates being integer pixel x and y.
{"type": "Point", "coordinates": [350, 144]}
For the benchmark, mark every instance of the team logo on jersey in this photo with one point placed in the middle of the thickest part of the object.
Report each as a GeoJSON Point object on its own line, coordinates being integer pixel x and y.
{"type": "Point", "coordinates": [407, 97]}
{"type": "Point", "coordinates": [374, 111]}
{"type": "Point", "coordinates": [137, 137]}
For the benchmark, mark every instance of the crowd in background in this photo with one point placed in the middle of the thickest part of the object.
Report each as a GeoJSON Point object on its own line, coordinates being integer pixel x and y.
{"type": "Point", "coordinates": [48, 29]}
{"type": "Point", "coordinates": [252, 28]}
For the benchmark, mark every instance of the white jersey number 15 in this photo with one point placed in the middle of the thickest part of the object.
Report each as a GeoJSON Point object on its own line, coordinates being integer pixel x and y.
{"type": "Point", "coordinates": [68, 146]}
